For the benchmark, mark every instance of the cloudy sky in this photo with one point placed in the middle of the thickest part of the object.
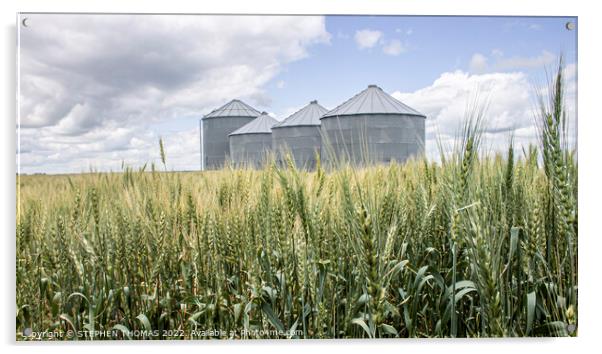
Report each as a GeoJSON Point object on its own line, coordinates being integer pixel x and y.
{"type": "Point", "coordinates": [96, 90]}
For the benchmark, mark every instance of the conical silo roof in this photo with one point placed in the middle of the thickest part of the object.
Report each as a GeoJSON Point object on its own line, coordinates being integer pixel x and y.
{"type": "Point", "coordinates": [306, 116]}
{"type": "Point", "coordinates": [260, 125]}
{"type": "Point", "coordinates": [234, 108]}
{"type": "Point", "coordinates": [373, 100]}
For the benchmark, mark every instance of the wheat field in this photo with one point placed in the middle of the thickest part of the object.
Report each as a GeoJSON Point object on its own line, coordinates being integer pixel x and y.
{"type": "Point", "coordinates": [476, 245]}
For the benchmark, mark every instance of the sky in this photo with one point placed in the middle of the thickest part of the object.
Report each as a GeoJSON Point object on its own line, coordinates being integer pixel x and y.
{"type": "Point", "coordinates": [96, 91]}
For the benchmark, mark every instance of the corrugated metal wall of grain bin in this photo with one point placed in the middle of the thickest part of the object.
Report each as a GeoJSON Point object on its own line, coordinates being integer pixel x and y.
{"type": "Point", "coordinates": [216, 126]}
{"type": "Point", "coordinates": [372, 127]}
{"type": "Point", "coordinates": [250, 144]}
{"type": "Point", "coordinates": [299, 136]}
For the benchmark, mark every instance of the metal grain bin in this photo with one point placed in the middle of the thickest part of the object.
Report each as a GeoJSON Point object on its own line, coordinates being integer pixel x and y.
{"type": "Point", "coordinates": [372, 127]}
{"type": "Point", "coordinates": [215, 128]}
{"type": "Point", "coordinates": [299, 136]}
{"type": "Point", "coordinates": [250, 144]}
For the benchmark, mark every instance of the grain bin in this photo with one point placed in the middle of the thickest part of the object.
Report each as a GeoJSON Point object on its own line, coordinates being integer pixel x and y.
{"type": "Point", "coordinates": [250, 144]}
{"type": "Point", "coordinates": [216, 126]}
{"type": "Point", "coordinates": [299, 135]}
{"type": "Point", "coordinates": [372, 127]}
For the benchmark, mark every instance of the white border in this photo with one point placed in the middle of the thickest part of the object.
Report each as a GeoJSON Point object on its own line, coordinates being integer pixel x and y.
{"type": "Point", "coordinates": [589, 126]}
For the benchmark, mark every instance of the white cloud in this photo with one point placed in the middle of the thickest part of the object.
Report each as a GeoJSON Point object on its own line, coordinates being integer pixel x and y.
{"type": "Point", "coordinates": [445, 101]}
{"type": "Point", "coordinates": [280, 84]}
{"type": "Point", "coordinates": [478, 63]}
{"type": "Point", "coordinates": [77, 121]}
{"type": "Point", "coordinates": [367, 38]}
{"type": "Point", "coordinates": [521, 24]}
{"type": "Point", "coordinates": [496, 52]}
{"type": "Point", "coordinates": [393, 47]}
{"type": "Point", "coordinates": [510, 100]}
{"type": "Point", "coordinates": [408, 32]}
{"type": "Point", "coordinates": [92, 85]}
{"type": "Point", "coordinates": [539, 61]}
{"type": "Point", "coordinates": [182, 150]}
